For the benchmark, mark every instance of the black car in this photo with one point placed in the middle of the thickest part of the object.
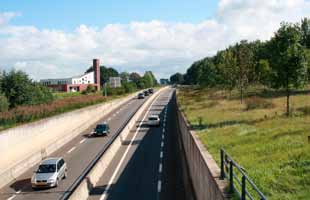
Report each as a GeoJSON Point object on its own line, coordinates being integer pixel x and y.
{"type": "Point", "coordinates": [151, 90]}
{"type": "Point", "coordinates": [101, 129]}
{"type": "Point", "coordinates": [140, 96]}
{"type": "Point", "coordinates": [146, 93]}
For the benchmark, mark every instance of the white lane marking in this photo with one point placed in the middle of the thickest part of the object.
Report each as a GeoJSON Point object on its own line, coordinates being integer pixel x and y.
{"type": "Point", "coordinates": [162, 144]}
{"type": "Point", "coordinates": [82, 141]}
{"type": "Point", "coordinates": [72, 149]}
{"type": "Point", "coordinates": [161, 154]}
{"type": "Point", "coordinates": [12, 197]}
{"type": "Point", "coordinates": [160, 168]}
{"type": "Point", "coordinates": [159, 186]}
{"type": "Point", "coordinates": [19, 191]}
{"type": "Point", "coordinates": [163, 136]}
{"type": "Point", "coordinates": [104, 194]}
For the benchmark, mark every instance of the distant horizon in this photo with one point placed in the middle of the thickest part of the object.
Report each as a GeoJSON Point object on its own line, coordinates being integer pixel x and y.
{"type": "Point", "coordinates": [59, 39]}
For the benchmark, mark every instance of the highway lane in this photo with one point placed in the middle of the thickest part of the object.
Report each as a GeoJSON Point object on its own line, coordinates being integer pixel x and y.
{"type": "Point", "coordinates": [78, 153]}
{"type": "Point", "coordinates": [148, 165]}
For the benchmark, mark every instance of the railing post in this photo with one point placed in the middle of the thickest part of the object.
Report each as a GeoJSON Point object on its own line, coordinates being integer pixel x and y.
{"type": "Point", "coordinates": [222, 165]}
{"type": "Point", "coordinates": [231, 177]}
{"type": "Point", "coordinates": [243, 192]}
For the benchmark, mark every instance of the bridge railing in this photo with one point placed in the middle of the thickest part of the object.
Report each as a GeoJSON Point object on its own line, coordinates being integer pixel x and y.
{"type": "Point", "coordinates": [239, 182]}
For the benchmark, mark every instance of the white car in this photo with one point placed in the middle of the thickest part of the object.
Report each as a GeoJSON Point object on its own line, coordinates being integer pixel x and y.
{"type": "Point", "coordinates": [153, 120]}
{"type": "Point", "coordinates": [49, 173]}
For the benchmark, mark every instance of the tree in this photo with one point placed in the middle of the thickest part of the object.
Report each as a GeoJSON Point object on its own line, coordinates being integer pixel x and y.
{"type": "Point", "coordinates": [4, 104]}
{"type": "Point", "coordinates": [288, 63]}
{"type": "Point", "coordinates": [134, 77]}
{"type": "Point", "coordinates": [124, 77]}
{"type": "Point", "coordinates": [177, 78]}
{"type": "Point", "coordinates": [305, 32]}
{"type": "Point", "coordinates": [105, 73]}
{"type": "Point", "coordinates": [19, 89]}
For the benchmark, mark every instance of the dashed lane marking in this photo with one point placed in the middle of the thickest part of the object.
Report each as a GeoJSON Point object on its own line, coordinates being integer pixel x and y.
{"type": "Point", "coordinates": [12, 197]}
{"type": "Point", "coordinates": [159, 186]}
{"type": "Point", "coordinates": [160, 168]}
{"type": "Point", "coordinates": [82, 141]}
{"type": "Point", "coordinates": [104, 194]}
{"type": "Point", "coordinates": [72, 149]}
{"type": "Point", "coordinates": [162, 144]}
{"type": "Point", "coordinates": [161, 154]}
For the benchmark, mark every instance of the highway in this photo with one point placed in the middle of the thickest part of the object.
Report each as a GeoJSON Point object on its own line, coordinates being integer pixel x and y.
{"type": "Point", "coordinates": [148, 167]}
{"type": "Point", "coordinates": [78, 153]}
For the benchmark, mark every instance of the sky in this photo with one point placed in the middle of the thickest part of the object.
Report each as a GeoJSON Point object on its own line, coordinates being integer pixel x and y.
{"type": "Point", "coordinates": [59, 38]}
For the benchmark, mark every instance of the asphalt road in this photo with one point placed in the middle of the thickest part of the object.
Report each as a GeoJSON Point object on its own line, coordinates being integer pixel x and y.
{"type": "Point", "coordinates": [78, 153]}
{"type": "Point", "coordinates": [148, 166]}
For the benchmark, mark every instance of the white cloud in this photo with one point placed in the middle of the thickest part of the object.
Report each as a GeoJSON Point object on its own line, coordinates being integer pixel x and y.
{"type": "Point", "coordinates": [162, 47]}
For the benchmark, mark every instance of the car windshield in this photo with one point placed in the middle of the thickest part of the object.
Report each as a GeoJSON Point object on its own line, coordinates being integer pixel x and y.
{"type": "Point", "coordinates": [101, 126]}
{"type": "Point", "coordinates": [47, 168]}
{"type": "Point", "coordinates": [153, 118]}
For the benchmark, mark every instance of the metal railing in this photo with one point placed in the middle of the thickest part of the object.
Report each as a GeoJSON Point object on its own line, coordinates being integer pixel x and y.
{"type": "Point", "coordinates": [86, 171]}
{"type": "Point", "coordinates": [244, 188]}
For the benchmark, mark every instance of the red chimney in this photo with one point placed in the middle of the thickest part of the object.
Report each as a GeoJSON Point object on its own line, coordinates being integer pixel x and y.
{"type": "Point", "coordinates": [96, 66]}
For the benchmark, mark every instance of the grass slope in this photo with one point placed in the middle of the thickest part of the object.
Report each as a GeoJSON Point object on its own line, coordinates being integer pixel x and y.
{"type": "Point", "coordinates": [271, 147]}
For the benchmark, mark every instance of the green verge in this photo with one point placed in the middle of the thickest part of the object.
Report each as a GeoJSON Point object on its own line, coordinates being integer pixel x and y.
{"type": "Point", "coordinates": [272, 148]}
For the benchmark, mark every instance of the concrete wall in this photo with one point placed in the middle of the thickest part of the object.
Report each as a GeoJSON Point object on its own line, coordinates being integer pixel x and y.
{"type": "Point", "coordinates": [24, 146]}
{"type": "Point", "coordinates": [82, 191]}
{"type": "Point", "coordinates": [202, 169]}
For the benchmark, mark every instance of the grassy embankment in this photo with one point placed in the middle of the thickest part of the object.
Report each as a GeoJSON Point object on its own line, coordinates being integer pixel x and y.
{"type": "Point", "coordinates": [64, 102]}
{"type": "Point", "coordinates": [271, 147]}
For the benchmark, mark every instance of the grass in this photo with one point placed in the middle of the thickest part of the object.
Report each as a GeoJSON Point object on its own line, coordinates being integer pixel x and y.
{"type": "Point", "coordinates": [64, 102]}
{"type": "Point", "coordinates": [272, 148]}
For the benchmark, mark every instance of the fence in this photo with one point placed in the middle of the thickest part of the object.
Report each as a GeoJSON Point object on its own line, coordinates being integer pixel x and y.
{"type": "Point", "coordinates": [232, 171]}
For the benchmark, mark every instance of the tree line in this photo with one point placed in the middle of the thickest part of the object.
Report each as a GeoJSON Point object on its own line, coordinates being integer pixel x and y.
{"type": "Point", "coordinates": [282, 62]}
{"type": "Point", "coordinates": [17, 88]}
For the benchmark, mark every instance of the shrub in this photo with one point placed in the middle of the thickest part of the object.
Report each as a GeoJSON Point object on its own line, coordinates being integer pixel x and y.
{"type": "Point", "coordinates": [4, 104]}
{"type": "Point", "coordinates": [89, 89]}
{"type": "Point", "coordinates": [258, 103]}
{"type": "Point", "coordinates": [305, 110]}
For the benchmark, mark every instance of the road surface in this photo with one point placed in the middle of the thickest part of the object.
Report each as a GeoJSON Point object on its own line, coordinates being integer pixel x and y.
{"type": "Point", "coordinates": [78, 153]}
{"type": "Point", "coordinates": [148, 166]}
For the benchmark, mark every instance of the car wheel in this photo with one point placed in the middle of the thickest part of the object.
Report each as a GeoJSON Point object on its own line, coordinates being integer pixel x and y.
{"type": "Point", "coordinates": [65, 174]}
{"type": "Point", "coordinates": [57, 182]}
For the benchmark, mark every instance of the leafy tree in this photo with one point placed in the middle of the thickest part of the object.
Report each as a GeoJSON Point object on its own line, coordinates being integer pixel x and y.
{"type": "Point", "coordinates": [305, 32]}
{"type": "Point", "coordinates": [4, 104]}
{"type": "Point", "coordinates": [177, 78]}
{"type": "Point", "coordinates": [124, 77]}
{"type": "Point", "coordinates": [134, 77]}
{"type": "Point", "coordinates": [288, 63]}
{"type": "Point", "coordinates": [105, 73]}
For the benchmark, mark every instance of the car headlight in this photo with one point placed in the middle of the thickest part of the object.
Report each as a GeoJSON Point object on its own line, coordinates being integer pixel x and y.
{"type": "Point", "coordinates": [51, 180]}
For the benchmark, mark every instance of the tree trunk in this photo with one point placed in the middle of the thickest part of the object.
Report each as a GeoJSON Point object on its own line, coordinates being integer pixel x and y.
{"type": "Point", "coordinates": [241, 94]}
{"type": "Point", "coordinates": [288, 102]}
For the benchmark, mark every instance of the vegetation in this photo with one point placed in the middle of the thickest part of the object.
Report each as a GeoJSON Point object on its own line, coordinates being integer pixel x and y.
{"type": "Point", "coordinates": [272, 148]}
{"type": "Point", "coordinates": [282, 63]}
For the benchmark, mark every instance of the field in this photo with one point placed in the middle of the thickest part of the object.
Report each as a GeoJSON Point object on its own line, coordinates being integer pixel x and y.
{"type": "Point", "coordinates": [273, 148]}
{"type": "Point", "coordinates": [63, 102]}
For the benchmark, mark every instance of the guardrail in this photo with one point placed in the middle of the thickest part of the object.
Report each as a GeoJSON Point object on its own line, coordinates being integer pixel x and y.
{"type": "Point", "coordinates": [77, 182]}
{"type": "Point", "coordinates": [232, 171]}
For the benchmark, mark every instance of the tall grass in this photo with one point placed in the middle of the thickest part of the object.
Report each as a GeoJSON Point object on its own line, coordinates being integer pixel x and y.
{"type": "Point", "coordinates": [272, 148]}
{"type": "Point", "coordinates": [64, 103]}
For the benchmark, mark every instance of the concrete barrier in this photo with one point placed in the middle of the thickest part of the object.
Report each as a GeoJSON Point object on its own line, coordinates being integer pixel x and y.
{"type": "Point", "coordinates": [89, 182]}
{"type": "Point", "coordinates": [24, 146]}
{"type": "Point", "coordinates": [202, 169]}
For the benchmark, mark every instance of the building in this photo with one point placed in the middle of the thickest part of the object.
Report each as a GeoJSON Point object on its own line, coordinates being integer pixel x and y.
{"type": "Point", "coordinates": [77, 83]}
{"type": "Point", "coordinates": [115, 82]}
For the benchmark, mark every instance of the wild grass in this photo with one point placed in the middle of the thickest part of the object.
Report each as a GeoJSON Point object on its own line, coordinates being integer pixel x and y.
{"type": "Point", "coordinates": [272, 148]}
{"type": "Point", "coordinates": [64, 102]}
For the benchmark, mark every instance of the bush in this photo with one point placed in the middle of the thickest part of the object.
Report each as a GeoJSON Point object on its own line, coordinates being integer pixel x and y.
{"type": "Point", "coordinates": [89, 89]}
{"type": "Point", "coordinates": [4, 104]}
{"type": "Point", "coordinates": [258, 103]}
{"type": "Point", "coordinates": [305, 110]}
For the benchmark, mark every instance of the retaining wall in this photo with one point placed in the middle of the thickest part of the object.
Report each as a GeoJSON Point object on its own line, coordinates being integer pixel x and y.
{"type": "Point", "coordinates": [24, 146]}
{"type": "Point", "coordinates": [202, 168]}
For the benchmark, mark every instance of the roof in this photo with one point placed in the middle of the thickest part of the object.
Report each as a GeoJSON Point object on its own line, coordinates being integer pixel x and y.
{"type": "Point", "coordinates": [49, 161]}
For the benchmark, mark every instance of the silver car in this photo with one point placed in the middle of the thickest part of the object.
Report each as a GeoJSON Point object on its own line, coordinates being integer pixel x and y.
{"type": "Point", "coordinates": [153, 120]}
{"type": "Point", "coordinates": [49, 173]}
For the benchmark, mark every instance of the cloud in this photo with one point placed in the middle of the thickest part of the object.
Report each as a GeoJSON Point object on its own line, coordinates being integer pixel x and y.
{"type": "Point", "coordinates": [164, 48]}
